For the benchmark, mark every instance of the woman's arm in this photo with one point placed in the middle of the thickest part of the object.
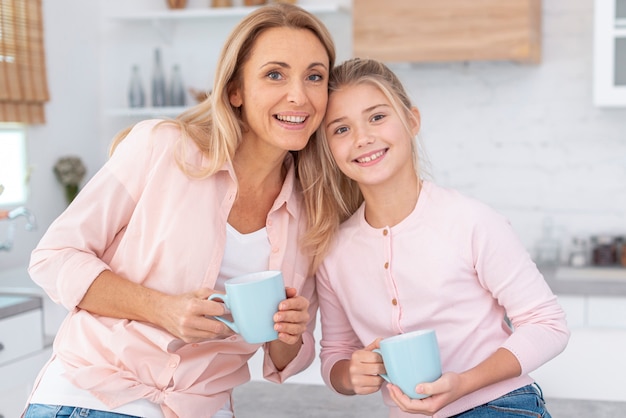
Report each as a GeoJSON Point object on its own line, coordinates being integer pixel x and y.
{"type": "Point", "coordinates": [184, 316]}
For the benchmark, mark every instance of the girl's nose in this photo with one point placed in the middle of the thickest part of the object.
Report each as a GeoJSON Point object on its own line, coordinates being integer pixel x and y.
{"type": "Point", "coordinates": [363, 137]}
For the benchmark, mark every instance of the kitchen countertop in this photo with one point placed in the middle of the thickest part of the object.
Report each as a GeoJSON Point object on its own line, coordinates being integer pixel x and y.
{"type": "Point", "coordinates": [586, 281]}
{"type": "Point", "coordinates": [563, 280]}
{"type": "Point", "coordinates": [16, 304]}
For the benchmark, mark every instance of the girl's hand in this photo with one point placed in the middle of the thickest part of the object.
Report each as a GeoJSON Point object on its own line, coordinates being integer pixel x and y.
{"type": "Point", "coordinates": [189, 317]}
{"type": "Point", "coordinates": [443, 391]}
{"type": "Point", "coordinates": [292, 317]}
{"type": "Point", "coordinates": [365, 369]}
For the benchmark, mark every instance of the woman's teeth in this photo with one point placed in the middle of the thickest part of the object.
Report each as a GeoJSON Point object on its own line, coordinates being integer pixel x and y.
{"type": "Point", "coordinates": [291, 119]}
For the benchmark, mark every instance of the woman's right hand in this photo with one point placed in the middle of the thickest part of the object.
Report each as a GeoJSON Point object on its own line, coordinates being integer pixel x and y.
{"type": "Point", "coordinates": [189, 316]}
{"type": "Point", "coordinates": [365, 369]}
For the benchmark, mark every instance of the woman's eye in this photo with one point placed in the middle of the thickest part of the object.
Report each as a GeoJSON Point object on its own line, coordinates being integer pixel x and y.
{"type": "Point", "coordinates": [316, 77]}
{"type": "Point", "coordinates": [274, 75]}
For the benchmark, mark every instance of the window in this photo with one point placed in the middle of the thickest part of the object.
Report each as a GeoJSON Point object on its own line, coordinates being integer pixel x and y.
{"type": "Point", "coordinates": [13, 168]}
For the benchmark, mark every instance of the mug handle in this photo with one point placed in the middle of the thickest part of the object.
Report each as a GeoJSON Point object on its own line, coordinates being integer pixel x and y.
{"type": "Point", "coordinates": [228, 323]}
{"type": "Point", "coordinates": [383, 375]}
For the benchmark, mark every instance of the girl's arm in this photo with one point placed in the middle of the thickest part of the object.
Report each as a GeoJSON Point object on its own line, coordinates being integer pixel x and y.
{"type": "Point", "coordinates": [500, 366]}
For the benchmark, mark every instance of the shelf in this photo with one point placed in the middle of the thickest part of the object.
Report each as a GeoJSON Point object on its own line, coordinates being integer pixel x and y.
{"type": "Point", "coordinates": [212, 12]}
{"type": "Point", "coordinates": [146, 111]}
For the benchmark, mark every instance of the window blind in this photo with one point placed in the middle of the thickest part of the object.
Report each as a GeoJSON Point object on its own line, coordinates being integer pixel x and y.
{"type": "Point", "coordinates": [23, 84]}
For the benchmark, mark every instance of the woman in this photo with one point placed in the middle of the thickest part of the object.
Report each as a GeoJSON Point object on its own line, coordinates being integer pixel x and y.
{"type": "Point", "coordinates": [180, 207]}
{"type": "Point", "coordinates": [412, 255]}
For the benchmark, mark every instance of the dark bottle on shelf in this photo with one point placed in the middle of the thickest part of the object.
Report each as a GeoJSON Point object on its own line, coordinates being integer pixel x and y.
{"type": "Point", "coordinates": [158, 81]}
{"type": "Point", "coordinates": [136, 93]}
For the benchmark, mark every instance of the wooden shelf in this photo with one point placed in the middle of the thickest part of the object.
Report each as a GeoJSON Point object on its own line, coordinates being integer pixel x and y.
{"type": "Point", "coordinates": [447, 30]}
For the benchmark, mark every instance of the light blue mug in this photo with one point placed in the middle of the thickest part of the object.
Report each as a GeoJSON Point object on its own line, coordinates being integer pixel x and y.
{"type": "Point", "coordinates": [410, 359]}
{"type": "Point", "coordinates": [253, 300]}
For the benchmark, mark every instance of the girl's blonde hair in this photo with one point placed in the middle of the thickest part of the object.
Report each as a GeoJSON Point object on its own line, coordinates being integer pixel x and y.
{"type": "Point", "coordinates": [330, 196]}
{"type": "Point", "coordinates": [215, 125]}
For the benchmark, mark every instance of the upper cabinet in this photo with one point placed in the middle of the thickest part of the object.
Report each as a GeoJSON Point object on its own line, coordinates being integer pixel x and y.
{"type": "Point", "coordinates": [609, 78]}
{"type": "Point", "coordinates": [447, 30]}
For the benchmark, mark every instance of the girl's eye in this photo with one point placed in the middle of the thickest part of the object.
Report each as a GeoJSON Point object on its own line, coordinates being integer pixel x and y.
{"type": "Point", "coordinates": [340, 130]}
{"type": "Point", "coordinates": [377, 117]}
{"type": "Point", "coordinates": [274, 75]}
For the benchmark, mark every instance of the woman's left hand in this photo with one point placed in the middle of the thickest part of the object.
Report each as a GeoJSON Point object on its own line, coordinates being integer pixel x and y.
{"type": "Point", "coordinates": [292, 317]}
{"type": "Point", "coordinates": [442, 391]}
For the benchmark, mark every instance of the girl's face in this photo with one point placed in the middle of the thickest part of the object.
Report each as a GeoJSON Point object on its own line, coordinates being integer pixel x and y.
{"type": "Point", "coordinates": [367, 137]}
{"type": "Point", "coordinates": [283, 94]}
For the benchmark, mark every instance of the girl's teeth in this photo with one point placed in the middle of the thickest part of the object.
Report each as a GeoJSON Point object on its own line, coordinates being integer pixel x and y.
{"type": "Point", "coordinates": [371, 157]}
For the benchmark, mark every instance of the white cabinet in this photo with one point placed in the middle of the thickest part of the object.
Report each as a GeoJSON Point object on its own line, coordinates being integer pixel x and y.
{"type": "Point", "coordinates": [594, 357]}
{"type": "Point", "coordinates": [22, 355]}
{"type": "Point", "coordinates": [609, 79]}
{"type": "Point", "coordinates": [20, 335]}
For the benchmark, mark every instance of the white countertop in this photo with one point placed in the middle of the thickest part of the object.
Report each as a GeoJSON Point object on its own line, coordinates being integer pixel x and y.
{"type": "Point", "coordinates": [588, 280]}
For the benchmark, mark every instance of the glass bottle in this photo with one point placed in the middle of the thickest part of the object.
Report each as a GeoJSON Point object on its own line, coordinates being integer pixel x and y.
{"type": "Point", "coordinates": [136, 93]}
{"type": "Point", "coordinates": [176, 96]}
{"type": "Point", "coordinates": [548, 247]}
{"type": "Point", "coordinates": [158, 80]}
{"type": "Point", "coordinates": [578, 252]}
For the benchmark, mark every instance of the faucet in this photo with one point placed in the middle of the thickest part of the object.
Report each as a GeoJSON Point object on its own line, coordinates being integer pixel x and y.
{"type": "Point", "coordinates": [31, 224]}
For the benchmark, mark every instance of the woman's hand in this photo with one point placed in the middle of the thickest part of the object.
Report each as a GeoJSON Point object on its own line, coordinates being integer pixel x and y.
{"type": "Point", "coordinates": [189, 317]}
{"type": "Point", "coordinates": [292, 317]}
{"type": "Point", "coordinates": [442, 391]}
{"type": "Point", "coordinates": [290, 322]}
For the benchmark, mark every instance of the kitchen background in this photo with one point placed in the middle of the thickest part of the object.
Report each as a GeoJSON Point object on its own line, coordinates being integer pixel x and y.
{"type": "Point", "coordinates": [525, 138]}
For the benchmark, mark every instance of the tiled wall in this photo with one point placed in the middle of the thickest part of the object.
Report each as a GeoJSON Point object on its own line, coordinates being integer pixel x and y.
{"type": "Point", "coordinates": [527, 139]}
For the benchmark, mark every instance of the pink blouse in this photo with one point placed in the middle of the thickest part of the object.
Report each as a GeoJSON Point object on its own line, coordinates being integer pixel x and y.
{"type": "Point", "coordinates": [143, 218]}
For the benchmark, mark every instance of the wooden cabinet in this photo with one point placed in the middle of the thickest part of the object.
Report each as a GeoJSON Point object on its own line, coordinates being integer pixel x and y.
{"type": "Point", "coordinates": [447, 30]}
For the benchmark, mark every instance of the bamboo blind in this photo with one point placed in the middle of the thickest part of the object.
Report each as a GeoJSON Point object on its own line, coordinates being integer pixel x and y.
{"type": "Point", "coordinates": [23, 85]}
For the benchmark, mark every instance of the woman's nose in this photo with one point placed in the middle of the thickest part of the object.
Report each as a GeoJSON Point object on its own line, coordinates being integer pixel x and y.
{"type": "Point", "coordinates": [297, 93]}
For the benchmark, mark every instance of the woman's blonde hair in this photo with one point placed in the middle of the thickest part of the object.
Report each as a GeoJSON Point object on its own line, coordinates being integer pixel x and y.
{"type": "Point", "coordinates": [330, 196]}
{"type": "Point", "coordinates": [215, 125]}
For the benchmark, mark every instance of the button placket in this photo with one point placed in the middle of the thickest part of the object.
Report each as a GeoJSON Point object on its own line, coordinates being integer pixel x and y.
{"type": "Point", "coordinates": [393, 291]}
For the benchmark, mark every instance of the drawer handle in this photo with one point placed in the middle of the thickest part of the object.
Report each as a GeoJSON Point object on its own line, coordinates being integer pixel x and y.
{"type": "Point", "coordinates": [1, 348]}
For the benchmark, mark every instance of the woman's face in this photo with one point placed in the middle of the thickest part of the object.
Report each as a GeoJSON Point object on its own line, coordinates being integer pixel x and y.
{"type": "Point", "coordinates": [284, 90]}
{"type": "Point", "coordinates": [366, 136]}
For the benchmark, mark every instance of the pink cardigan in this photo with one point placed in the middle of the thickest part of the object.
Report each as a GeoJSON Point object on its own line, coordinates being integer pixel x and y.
{"type": "Point", "coordinates": [141, 217]}
{"type": "Point", "coordinates": [453, 265]}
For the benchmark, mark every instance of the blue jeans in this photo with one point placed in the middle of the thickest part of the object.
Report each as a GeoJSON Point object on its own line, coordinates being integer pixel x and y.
{"type": "Point", "coordinates": [526, 401]}
{"type": "Point", "coordinates": [37, 410]}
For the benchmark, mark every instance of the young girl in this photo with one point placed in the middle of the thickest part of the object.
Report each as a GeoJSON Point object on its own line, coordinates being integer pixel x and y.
{"type": "Point", "coordinates": [413, 255]}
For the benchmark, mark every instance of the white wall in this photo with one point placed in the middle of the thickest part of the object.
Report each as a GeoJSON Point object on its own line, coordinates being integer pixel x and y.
{"type": "Point", "coordinates": [523, 138]}
{"type": "Point", "coordinates": [72, 115]}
